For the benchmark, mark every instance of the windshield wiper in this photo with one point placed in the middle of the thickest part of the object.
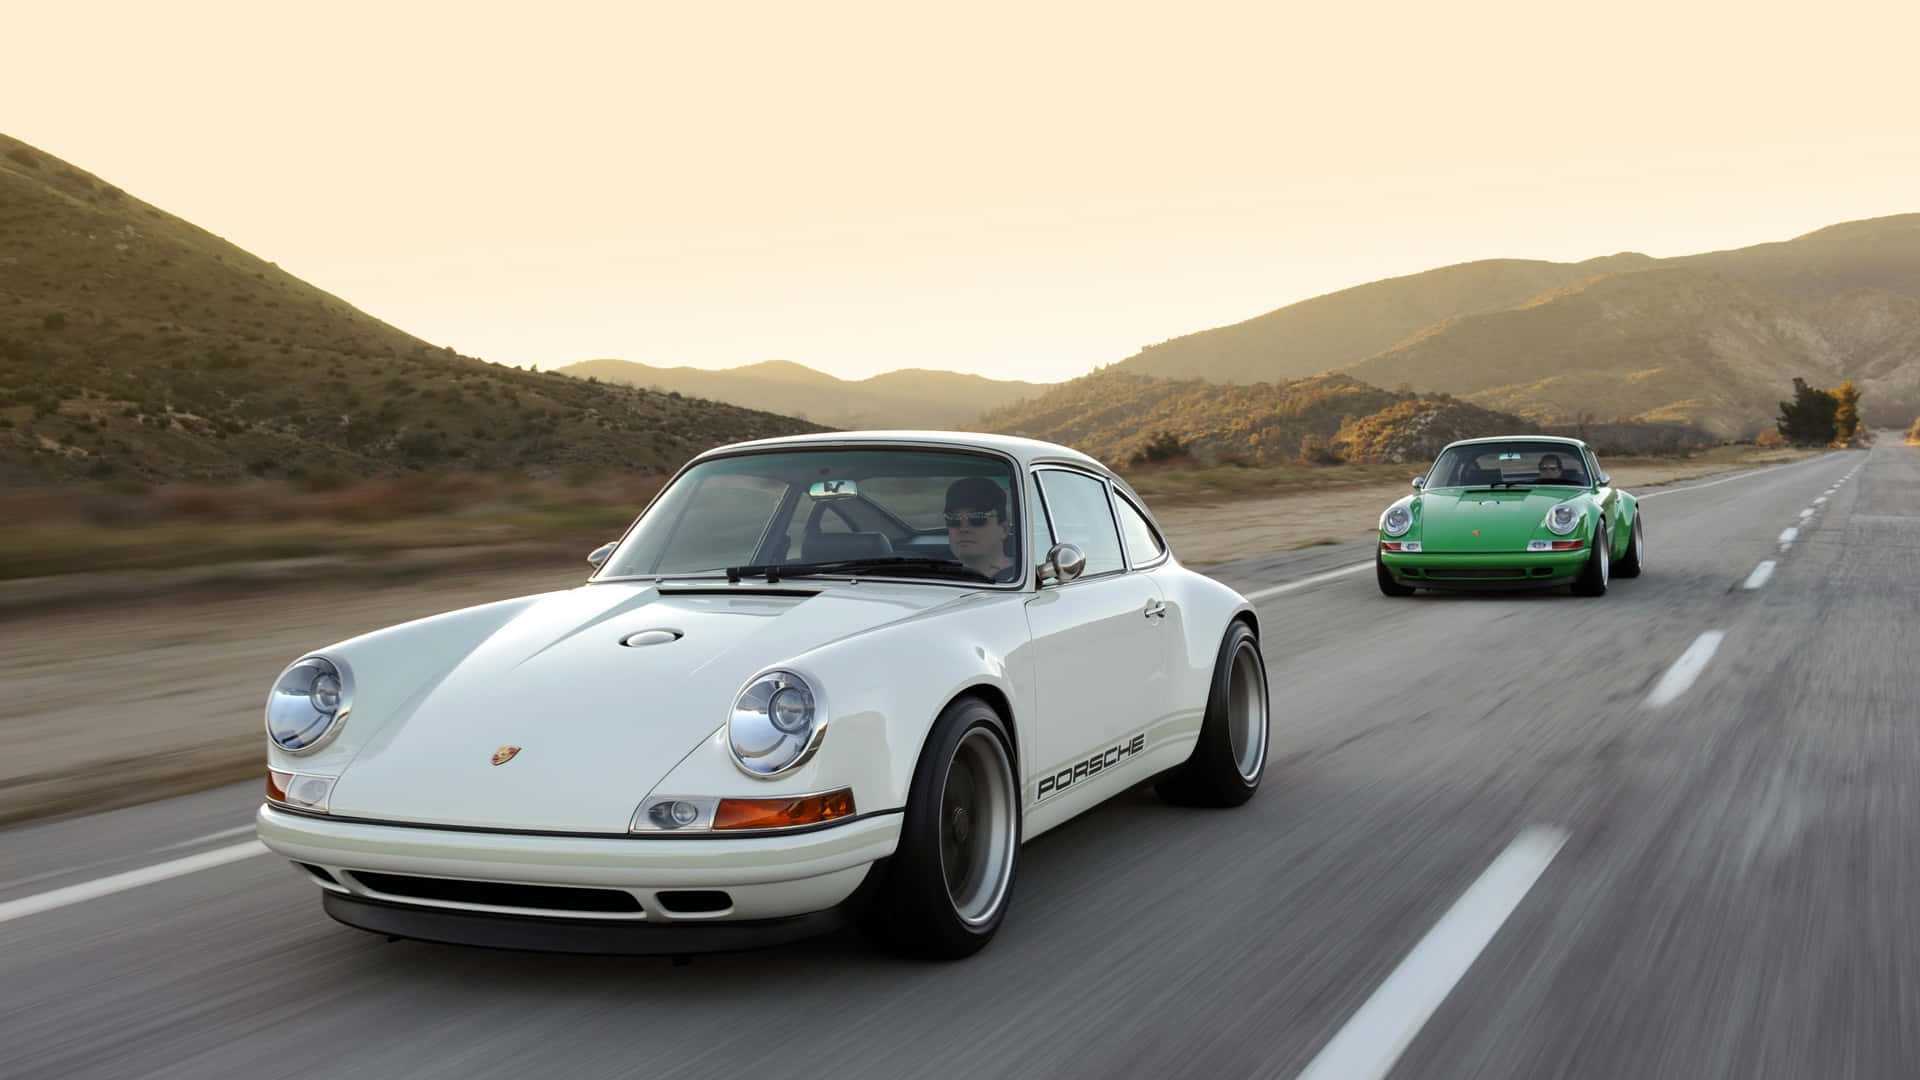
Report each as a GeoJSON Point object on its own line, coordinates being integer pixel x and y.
{"type": "Point", "coordinates": [775, 571]}
{"type": "Point", "coordinates": [1503, 484]}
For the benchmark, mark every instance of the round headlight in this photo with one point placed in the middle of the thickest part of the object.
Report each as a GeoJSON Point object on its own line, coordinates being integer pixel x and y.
{"type": "Point", "coordinates": [1562, 518]}
{"type": "Point", "coordinates": [1397, 521]}
{"type": "Point", "coordinates": [775, 724]}
{"type": "Point", "coordinates": [308, 704]}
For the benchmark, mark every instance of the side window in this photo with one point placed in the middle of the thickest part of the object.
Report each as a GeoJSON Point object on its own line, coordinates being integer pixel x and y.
{"type": "Point", "coordinates": [1039, 536]}
{"type": "Point", "coordinates": [1593, 462]}
{"type": "Point", "coordinates": [1082, 518]}
{"type": "Point", "coordinates": [1142, 545]}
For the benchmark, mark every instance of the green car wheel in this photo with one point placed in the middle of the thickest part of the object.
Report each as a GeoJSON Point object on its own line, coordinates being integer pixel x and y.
{"type": "Point", "coordinates": [1599, 569]}
{"type": "Point", "coordinates": [1388, 586]}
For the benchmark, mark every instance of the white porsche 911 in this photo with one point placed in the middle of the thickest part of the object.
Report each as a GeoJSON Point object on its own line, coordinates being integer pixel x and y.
{"type": "Point", "coordinates": [838, 674]}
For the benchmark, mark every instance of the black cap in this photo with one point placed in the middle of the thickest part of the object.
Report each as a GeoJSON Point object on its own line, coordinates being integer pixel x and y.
{"type": "Point", "coordinates": [977, 493]}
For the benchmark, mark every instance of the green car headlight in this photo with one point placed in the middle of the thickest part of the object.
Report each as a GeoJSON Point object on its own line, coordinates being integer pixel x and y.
{"type": "Point", "coordinates": [1396, 521]}
{"type": "Point", "coordinates": [1562, 519]}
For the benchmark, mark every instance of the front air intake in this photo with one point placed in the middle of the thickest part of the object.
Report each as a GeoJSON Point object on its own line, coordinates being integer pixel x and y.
{"type": "Point", "coordinates": [498, 893]}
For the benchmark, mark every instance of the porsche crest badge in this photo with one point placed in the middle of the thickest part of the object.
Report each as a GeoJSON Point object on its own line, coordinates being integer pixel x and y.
{"type": "Point", "coordinates": [504, 754]}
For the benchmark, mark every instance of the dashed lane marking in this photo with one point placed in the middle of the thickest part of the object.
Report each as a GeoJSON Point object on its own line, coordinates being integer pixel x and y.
{"type": "Point", "coordinates": [1760, 575]}
{"type": "Point", "coordinates": [1379, 1032]}
{"type": "Point", "coordinates": [1679, 678]}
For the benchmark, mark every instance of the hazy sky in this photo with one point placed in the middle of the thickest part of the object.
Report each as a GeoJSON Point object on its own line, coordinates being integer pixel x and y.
{"type": "Point", "coordinates": [1021, 190]}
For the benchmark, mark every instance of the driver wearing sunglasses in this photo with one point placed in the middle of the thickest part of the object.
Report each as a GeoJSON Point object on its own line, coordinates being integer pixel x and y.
{"type": "Point", "coordinates": [978, 528]}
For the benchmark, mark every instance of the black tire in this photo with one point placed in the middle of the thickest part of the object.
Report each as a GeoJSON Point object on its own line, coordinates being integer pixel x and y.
{"type": "Point", "coordinates": [1388, 586]}
{"type": "Point", "coordinates": [1593, 576]}
{"type": "Point", "coordinates": [913, 907]}
{"type": "Point", "coordinates": [1631, 563]}
{"type": "Point", "coordinates": [1231, 757]}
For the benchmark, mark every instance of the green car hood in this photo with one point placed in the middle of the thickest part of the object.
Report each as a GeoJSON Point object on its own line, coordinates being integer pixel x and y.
{"type": "Point", "coordinates": [1500, 519]}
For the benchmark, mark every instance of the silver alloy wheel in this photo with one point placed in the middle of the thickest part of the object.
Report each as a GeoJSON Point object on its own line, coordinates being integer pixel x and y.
{"type": "Point", "coordinates": [1639, 546]}
{"type": "Point", "coordinates": [1247, 713]}
{"type": "Point", "coordinates": [1605, 547]}
{"type": "Point", "coordinates": [977, 819]}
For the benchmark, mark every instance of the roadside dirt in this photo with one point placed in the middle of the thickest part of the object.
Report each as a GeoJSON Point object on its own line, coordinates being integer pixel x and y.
{"type": "Point", "coordinates": [109, 702]}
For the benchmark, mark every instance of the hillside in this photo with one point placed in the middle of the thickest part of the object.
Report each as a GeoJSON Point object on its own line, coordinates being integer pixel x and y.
{"type": "Point", "coordinates": [1666, 344]}
{"type": "Point", "coordinates": [1115, 416]}
{"type": "Point", "coordinates": [1827, 305]}
{"type": "Point", "coordinates": [910, 398]}
{"type": "Point", "coordinates": [1339, 328]}
{"type": "Point", "coordinates": [136, 345]}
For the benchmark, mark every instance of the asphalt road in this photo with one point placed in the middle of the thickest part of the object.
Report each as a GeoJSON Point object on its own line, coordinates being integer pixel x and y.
{"type": "Point", "coordinates": [1733, 893]}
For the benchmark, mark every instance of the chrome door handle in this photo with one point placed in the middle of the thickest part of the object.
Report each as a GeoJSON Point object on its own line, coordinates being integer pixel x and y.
{"type": "Point", "coordinates": [1155, 610]}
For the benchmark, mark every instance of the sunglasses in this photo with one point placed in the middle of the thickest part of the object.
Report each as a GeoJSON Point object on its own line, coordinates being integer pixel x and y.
{"type": "Point", "coordinates": [975, 518]}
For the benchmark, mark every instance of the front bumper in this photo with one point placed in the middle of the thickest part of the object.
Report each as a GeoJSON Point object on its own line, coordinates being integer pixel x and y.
{"type": "Point", "coordinates": [592, 894]}
{"type": "Point", "coordinates": [1486, 569]}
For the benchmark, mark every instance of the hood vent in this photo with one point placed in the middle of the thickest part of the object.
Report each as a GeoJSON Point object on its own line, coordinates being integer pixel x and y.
{"type": "Point", "coordinates": [642, 638]}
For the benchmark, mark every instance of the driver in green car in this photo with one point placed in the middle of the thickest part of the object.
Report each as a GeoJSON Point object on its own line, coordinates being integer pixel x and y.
{"type": "Point", "coordinates": [1550, 470]}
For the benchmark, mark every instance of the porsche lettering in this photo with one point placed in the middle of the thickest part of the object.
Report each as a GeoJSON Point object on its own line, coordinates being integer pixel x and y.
{"type": "Point", "coordinates": [1080, 770]}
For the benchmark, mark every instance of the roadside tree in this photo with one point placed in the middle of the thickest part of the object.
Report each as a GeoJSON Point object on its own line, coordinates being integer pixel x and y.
{"type": "Point", "coordinates": [1807, 420]}
{"type": "Point", "coordinates": [1846, 414]}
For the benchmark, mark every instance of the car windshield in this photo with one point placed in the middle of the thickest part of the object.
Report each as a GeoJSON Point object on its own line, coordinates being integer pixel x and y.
{"type": "Point", "coordinates": [1516, 463]}
{"type": "Point", "coordinates": [938, 515]}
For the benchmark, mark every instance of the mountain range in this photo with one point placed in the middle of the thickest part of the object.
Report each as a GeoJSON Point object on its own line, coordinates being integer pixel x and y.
{"type": "Point", "coordinates": [909, 398]}
{"type": "Point", "coordinates": [1712, 340]}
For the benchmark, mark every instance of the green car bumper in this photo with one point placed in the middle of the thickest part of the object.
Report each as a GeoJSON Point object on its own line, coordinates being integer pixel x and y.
{"type": "Point", "coordinates": [1486, 569]}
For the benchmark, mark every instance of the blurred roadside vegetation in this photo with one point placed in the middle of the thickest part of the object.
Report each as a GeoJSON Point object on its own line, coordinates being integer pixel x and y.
{"type": "Point", "coordinates": [410, 525]}
{"type": "Point", "coordinates": [1182, 478]}
{"type": "Point", "coordinates": [403, 522]}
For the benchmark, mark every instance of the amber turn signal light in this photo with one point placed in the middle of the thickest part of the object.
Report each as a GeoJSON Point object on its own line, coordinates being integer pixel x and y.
{"type": "Point", "coordinates": [784, 813]}
{"type": "Point", "coordinates": [277, 782]}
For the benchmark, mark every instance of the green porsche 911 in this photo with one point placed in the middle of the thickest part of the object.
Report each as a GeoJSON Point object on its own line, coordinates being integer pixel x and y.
{"type": "Point", "coordinates": [1513, 512]}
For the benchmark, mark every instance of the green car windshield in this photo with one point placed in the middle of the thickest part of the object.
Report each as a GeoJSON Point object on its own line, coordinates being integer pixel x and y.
{"type": "Point", "coordinates": [1519, 463]}
{"type": "Point", "coordinates": [935, 515]}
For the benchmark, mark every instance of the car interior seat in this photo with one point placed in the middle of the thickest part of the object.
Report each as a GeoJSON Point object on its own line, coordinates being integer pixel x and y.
{"type": "Point", "coordinates": [829, 547]}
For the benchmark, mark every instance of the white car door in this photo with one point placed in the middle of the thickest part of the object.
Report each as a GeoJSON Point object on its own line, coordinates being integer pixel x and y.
{"type": "Point", "coordinates": [1100, 648]}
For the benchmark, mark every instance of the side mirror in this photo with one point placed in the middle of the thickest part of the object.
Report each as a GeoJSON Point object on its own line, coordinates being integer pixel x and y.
{"type": "Point", "coordinates": [599, 555]}
{"type": "Point", "coordinates": [1064, 563]}
{"type": "Point", "coordinates": [1419, 483]}
{"type": "Point", "coordinates": [1605, 480]}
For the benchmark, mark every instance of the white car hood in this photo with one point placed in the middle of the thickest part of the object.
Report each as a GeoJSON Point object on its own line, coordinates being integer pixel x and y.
{"type": "Point", "coordinates": [598, 723]}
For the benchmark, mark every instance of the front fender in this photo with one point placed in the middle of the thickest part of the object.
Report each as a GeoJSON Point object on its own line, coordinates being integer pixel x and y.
{"type": "Point", "coordinates": [393, 669]}
{"type": "Point", "coordinates": [884, 689]}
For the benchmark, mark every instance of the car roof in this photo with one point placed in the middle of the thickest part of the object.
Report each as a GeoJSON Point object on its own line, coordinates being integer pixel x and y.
{"type": "Point", "coordinates": [1025, 451]}
{"type": "Point", "coordinates": [1569, 440]}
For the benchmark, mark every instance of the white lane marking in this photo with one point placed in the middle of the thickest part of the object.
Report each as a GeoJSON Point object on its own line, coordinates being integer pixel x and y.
{"type": "Point", "coordinates": [1724, 480]}
{"type": "Point", "coordinates": [1276, 590]}
{"type": "Point", "coordinates": [1760, 575]}
{"type": "Point", "coordinates": [237, 830]}
{"type": "Point", "coordinates": [1684, 670]}
{"type": "Point", "coordinates": [132, 879]}
{"type": "Point", "coordinates": [1807, 513]}
{"type": "Point", "coordinates": [1789, 534]}
{"type": "Point", "coordinates": [1376, 1035]}
{"type": "Point", "coordinates": [65, 871]}
{"type": "Point", "coordinates": [1819, 500]}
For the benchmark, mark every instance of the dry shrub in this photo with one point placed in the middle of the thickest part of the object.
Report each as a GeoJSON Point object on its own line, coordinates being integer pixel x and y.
{"type": "Point", "coordinates": [1769, 437]}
